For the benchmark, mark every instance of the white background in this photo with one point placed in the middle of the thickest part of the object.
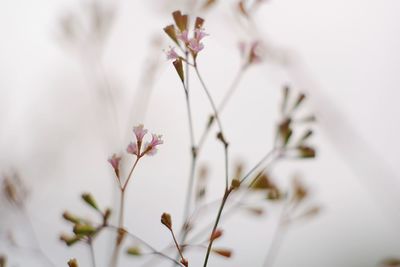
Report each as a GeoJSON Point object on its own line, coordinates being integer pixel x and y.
{"type": "Point", "coordinates": [57, 130]}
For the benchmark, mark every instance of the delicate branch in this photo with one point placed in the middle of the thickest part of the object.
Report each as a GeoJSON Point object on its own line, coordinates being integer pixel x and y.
{"type": "Point", "coordinates": [224, 199]}
{"type": "Point", "coordinates": [221, 135]}
{"type": "Point", "coordinates": [276, 239]}
{"type": "Point", "coordinates": [259, 163]}
{"type": "Point", "coordinates": [155, 251]}
{"type": "Point", "coordinates": [178, 247]}
{"type": "Point", "coordinates": [123, 186]}
{"type": "Point", "coordinates": [92, 255]}
{"type": "Point", "coordinates": [130, 174]}
{"type": "Point", "coordinates": [189, 192]}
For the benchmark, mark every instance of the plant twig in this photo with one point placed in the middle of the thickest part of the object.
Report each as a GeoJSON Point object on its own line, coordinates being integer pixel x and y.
{"type": "Point", "coordinates": [154, 250]}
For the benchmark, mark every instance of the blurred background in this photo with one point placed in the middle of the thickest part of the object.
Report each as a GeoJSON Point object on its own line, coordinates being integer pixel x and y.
{"type": "Point", "coordinates": [76, 76]}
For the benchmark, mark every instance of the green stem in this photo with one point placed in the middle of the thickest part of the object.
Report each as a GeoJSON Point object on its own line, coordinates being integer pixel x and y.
{"type": "Point", "coordinates": [115, 256]}
{"type": "Point", "coordinates": [223, 202]}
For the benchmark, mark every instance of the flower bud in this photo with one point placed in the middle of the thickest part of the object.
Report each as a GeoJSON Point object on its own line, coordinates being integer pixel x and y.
{"type": "Point", "coordinates": [89, 199]}
{"type": "Point", "coordinates": [179, 68]}
{"type": "Point", "coordinates": [69, 240]}
{"type": "Point", "coordinates": [134, 251]}
{"type": "Point", "coordinates": [223, 252]}
{"type": "Point", "coordinates": [73, 263]}
{"type": "Point", "coordinates": [71, 218]}
{"type": "Point", "coordinates": [166, 220]}
{"type": "Point", "coordinates": [216, 234]}
{"type": "Point", "coordinates": [84, 229]}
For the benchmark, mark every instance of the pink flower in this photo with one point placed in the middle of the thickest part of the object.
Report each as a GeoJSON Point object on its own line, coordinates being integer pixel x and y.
{"type": "Point", "coordinates": [195, 45]}
{"type": "Point", "coordinates": [171, 54]}
{"type": "Point", "coordinates": [133, 149]}
{"type": "Point", "coordinates": [252, 52]}
{"type": "Point", "coordinates": [199, 34]}
{"type": "Point", "coordinates": [140, 132]}
{"type": "Point", "coordinates": [150, 148]}
{"type": "Point", "coordinates": [114, 161]}
{"type": "Point", "coordinates": [183, 36]}
{"type": "Point", "coordinates": [255, 56]}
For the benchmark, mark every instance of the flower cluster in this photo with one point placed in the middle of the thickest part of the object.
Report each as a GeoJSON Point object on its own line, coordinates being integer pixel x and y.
{"type": "Point", "coordinates": [149, 148]}
{"type": "Point", "coordinates": [138, 148]}
{"type": "Point", "coordinates": [179, 33]}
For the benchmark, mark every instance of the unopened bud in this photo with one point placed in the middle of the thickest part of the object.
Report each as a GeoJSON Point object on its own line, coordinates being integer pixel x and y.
{"type": "Point", "coordinates": [89, 199]}
{"type": "Point", "coordinates": [166, 220]}
{"type": "Point", "coordinates": [73, 263]}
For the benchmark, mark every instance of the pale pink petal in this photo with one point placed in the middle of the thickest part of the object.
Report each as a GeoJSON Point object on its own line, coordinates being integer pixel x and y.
{"type": "Point", "coordinates": [150, 148]}
{"type": "Point", "coordinates": [133, 149]}
{"type": "Point", "coordinates": [171, 54]}
{"type": "Point", "coordinates": [114, 161]}
{"type": "Point", "coordinates": [183, 36]}
{"type": "Point", "coordinates": [140, 132]}
{"type": "Point", "coordinates": [199, 34]}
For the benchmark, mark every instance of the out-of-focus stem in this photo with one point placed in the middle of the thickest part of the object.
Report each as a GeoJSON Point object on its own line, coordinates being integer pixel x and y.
{"type": "Point", "coordinates": [92, 255]}
{"type": "Point", "coordinates": [189, 191]}
{"type": "Point", "coordinates": [277, 238]}
{"type": "Point", "coordinates": [123, 186]}
{"type": "Point", "coordinates": [232, 88]}
{"type": "Point", "coordinates": [154, 251]}
{"type": "Point", "coordinates": [221, 208]}
{"type": "Point", "coordinates": [221, 131]}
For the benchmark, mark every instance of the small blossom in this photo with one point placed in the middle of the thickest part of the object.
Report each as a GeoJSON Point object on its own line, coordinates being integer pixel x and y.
{"type": "Point", "coordinates": [114, 161]}
{"type": "Point", "coordinates": [252, 52]}
{"type": "Point", "coordinates": [140, 132]}
{"type": "Point", "coordinates": [199, 34]}
{"type": "Point", "coordinates": [150, 148]}
{"type": "Point", "coordinates": [255, 56]}
{"type": "Point", "coordinates": [133, 149]}
{"type": "Point", "coordinates": [195, 45]}
{"type": "Point", "coordinates": [171, 54]}
{"type": "Point", "coordinates": [183, 36]}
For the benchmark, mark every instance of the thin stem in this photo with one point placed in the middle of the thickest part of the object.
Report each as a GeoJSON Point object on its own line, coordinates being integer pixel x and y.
{"type": "Point", "coordinates": [38, 248]}
{"type": "Point", "coordinates": [210, 99]}
{"type": "Point", "coordinates": [232, 88]}
{"type": "Point", "coordinates": [223, 202]}
{"type": "Point", "coordinates": [189, 191]}
{"type": "Point", "coordinates": [121, 209]}
{"type": "Point", "coordinates": [92, 255]}
{"type": "Point", "coordinates": [130, 174]}
{"type": "Point", "coordinates": [177, 245]}
{"type": "Point", "coordinates": [155, 251]}
{"type": "Point", "coordinates": [259, 163]}
{"type": "Point", "coordinates": [277, 238]}
{"type": "Point", "coordinates": [114, 259]}
{"type": "Point", "coordinates": [221, 131]}
{"type": "Point", "coordinates": [230, 211]}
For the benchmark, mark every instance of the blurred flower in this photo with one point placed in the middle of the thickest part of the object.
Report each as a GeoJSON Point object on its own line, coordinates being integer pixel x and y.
{"type": "Point", "coordinates": [195, 46]}
{"type": "Point", "coordinates": [140, 132]}
{"type": "Point", "coordinates": [199, 34]}
{"type": "Point", "coordinates": [114, 161]}
{"type": "Point", "coordinates": [171, 54]}
{"type": "Point", "coordinates": [183, 36]}
{"type": "Point", "coordinates": [251, 52]}
{"type": "Point", "coordinates": [150, 148]}
{"type": "Point", "coordinates": [133, 149]}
